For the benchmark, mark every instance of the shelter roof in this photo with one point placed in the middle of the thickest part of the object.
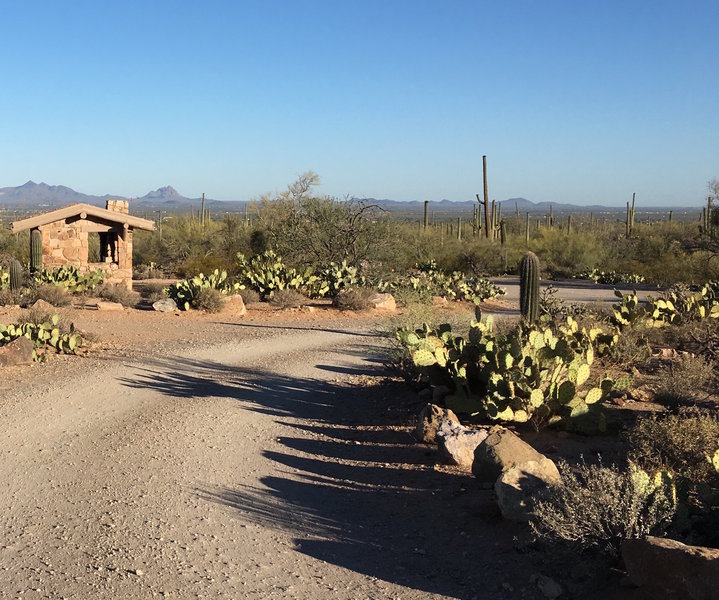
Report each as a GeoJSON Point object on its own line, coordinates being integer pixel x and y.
{"type": "Point", "coordinates": [83, 211]}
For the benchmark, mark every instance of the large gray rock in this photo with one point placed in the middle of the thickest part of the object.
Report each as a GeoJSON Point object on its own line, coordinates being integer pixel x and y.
{"type": "Point", "coordinates": [500, 451]}
{"type": "Point", "coordinates": [457, 443]}
{"type": "Point", "coordinates": [17, 352]}
{"type": "Point", "coordinates": [668, 569]}
{"type": "Point", "coordinates": [520, 486]}
{"type": "Point", "coordinates": [165, 305]}
{"type": "Point", "coordinates": [430, 418]}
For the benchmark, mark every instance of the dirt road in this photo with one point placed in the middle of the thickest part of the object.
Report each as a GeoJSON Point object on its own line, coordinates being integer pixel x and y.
{"type": "Point", "coordinates": [252, 467]}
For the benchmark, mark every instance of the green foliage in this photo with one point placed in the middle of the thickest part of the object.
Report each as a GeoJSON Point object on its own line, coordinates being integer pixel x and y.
{"type": "Point", "coordinates": [334, 277]}
{"type": "Point", "coordinates": [609, 277]}
{"type": "Point", "coordinates": [682, 443]}
{"type": "Point", "coordinates": [70, 278]}
{"type": "Point", "coordinates": [598, 507]}
{"type": "Point", "coordinates": [267, 273]}
{"type": "Point", "coordinates": [186, 293]}
{"type": "Point", "coordinates": [428, 280]}
{"type": "Point", "coordinates": [532, 372]}
{"type": "Point", "coordinates": [44, 336]}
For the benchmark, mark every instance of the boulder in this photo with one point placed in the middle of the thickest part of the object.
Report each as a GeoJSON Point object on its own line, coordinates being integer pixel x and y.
{"type": "Point", "coordinates": [519, 486]}
{"type": "Point", "coordinates": [165, 305]}
{"type": "Point", "coordinates": [457, 443]}
{"type": "Point", "coordinates": [41, 305]}
{"type": "Point", "coordinates": [664, 568]}
{"type": "Point", "coordinates": [234, 304]}
{"type": "Point", "coordinates": [383, 302]}
{"type": "Point", "coordinates": [500, 451]}
{"type": "Point", "coordinates": [439, 301]}
{"type": "Point", "coordinates": [17, 352]}
{"type": "Point", "coordinates": [549, 588]}
{"type": "Point", "coordinates": [430, 418]}
{"type": "Point", "coordinates": [104, 305]}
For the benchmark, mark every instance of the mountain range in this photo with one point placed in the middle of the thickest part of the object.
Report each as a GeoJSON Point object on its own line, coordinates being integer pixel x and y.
{"type": "Point", "coordinates": [33, 196]}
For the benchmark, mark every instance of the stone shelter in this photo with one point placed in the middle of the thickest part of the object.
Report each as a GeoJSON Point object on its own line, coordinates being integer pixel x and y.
{"type": "Point", "coordinates": [65, 237]}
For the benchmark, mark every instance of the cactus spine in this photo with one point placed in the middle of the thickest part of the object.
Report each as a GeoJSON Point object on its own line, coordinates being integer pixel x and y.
{"type": "Point", "coordinates": [529, 287]}
{"type": "Point", "coordinates": [35, 250]}
{"type": "Point", "coordinates": [15, 275]}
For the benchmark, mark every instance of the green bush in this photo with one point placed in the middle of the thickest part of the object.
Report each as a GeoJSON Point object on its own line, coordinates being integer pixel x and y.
{"type": "Point", "coordinates": [680, 443]}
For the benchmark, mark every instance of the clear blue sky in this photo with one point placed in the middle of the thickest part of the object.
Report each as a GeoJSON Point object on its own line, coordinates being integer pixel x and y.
{"type": "Point", "coordinates": [571, 101]}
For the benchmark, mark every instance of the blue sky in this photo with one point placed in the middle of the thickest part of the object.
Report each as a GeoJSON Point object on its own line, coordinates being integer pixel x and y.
{"type": "Point", "coordinates": [582, 102]}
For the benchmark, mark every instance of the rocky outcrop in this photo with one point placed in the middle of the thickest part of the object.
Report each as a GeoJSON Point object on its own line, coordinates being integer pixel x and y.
{"type": "Point", "coordinates": [383, 302]}
{"type": "Point", "coordinates": [165, 305]}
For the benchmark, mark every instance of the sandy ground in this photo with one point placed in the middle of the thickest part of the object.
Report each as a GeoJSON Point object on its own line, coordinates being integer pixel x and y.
{"type": "Point", "coordinates": [265, 456]}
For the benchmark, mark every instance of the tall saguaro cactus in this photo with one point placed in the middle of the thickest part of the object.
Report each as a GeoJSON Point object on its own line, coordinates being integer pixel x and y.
{"type": "Point", "coordinates": [529, 287]}
{"type": "Point", "coordinates": [35, 250]}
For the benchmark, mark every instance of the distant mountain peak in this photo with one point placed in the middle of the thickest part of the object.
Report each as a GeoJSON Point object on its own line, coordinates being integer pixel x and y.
{"type": "Point", "coordinates": [164, 193]}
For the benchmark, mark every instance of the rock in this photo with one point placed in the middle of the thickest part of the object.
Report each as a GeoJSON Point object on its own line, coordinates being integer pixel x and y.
{"type": "Point", "coordinates": [430, 418]}
{"type": "Point", "coordinates": [165, 305]}
{"type": "Point", "coordinates": [234, 304]}
{"type": "Point", "coordinates": [549, 588]}
{"type": "Point", "coordinates": [17, 352]}
{"type": "Point", "coordinates": [500, 451]}
{"type": "Point", "coordinates": [457, 443]}
{"type": "Point", "coordinates": [664, 568]}
{"type": "Point", "coordinates": [519, 486]}
{"type": "Point", "coordinates": [439, 301]}
{"type": "Point", "coordinates": [43, 306]}
{"type": "Point", "coordinates": [383, 302]}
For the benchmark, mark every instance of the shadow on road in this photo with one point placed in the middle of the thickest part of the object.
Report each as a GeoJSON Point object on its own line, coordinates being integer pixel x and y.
{"type": "Point", "coordinates": [359, 495]}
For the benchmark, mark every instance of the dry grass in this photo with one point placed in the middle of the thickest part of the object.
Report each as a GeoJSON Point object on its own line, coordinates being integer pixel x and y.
{"type": "Point", "coordinates": [352, 298]}
{"type": "Point", "coordinates": [287, 299]}
{"type": "Point", "coordinates": [684, 381]}
{"type": "Point", "coordinates": [208, 299]}
{"type": "Point", "coordinates": [52, 294]}
{"type": "Point", "coordinates": [598, 507]}
{"type": "Point", "coordinates": [118, 293]}
{"type": "Point", "coordinates": [250, 296]}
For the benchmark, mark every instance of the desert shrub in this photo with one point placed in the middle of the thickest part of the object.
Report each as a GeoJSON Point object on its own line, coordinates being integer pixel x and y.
{"type": "Point", "coordinates": [598, 507]}
{"type": "Point", "coordinates": [50, 293]}
{"type": "Point", "coordinates": [208, 299]}
{"type": "Point", "coordinates": [679, 443]}
{"type": "Point", "coordinates": [249, 295]}
{"type": "Point", "coordinates": [353, 298]}
{"type": "Point", "coordinates": [684, 381]}
{"type": "Point", "coordinates": [154, 292]}
{"type": "Point", "coordinates": [116, 292]}
{"type": "Point", "coordinates": [287, 298]}
{"type": "Point", "coordinates": [631, 348]}
{"type": "Point", "coordinates": [7, 298]}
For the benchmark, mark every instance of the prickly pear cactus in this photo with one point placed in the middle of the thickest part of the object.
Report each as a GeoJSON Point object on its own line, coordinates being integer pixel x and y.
{"type": "Point", "coordinates": [529, 287]}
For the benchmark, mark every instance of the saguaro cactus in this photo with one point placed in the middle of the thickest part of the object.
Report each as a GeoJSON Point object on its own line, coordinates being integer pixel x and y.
{"type": "Point", "coordinates": [35, 250]}
{"type": "Point", "coordinates": [15, 275]}
{"type": "Point", "coordinates": [529, 287]}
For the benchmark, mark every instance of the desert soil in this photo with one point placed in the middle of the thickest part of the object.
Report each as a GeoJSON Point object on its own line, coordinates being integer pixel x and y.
{"type": "Point", "coordinates": [264, 456]}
